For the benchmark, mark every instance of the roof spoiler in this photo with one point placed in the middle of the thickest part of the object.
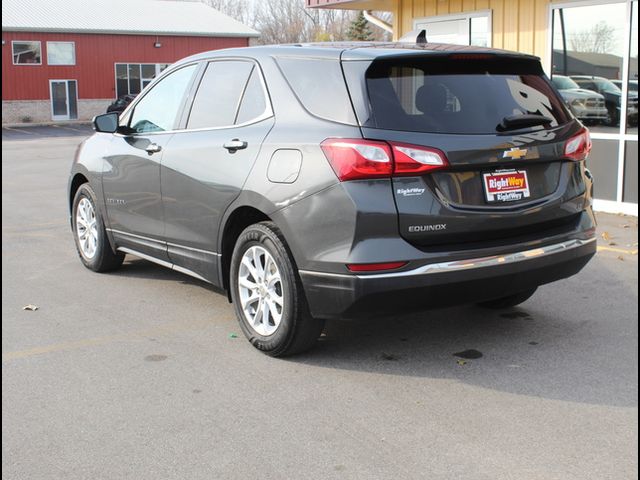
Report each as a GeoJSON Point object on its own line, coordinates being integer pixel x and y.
{"type": "Point", "coordinates": [418, 36]}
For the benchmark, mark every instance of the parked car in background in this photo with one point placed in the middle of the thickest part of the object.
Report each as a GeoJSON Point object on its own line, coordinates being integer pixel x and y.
{"type": "Point", "coordinates": [587, 105]}
{"type": "Point", "coordinates": [632, 85]}
{"type": "Point", "coordinates": [332, 181]}
{"type": "Point", "coordinates": [612, 97]}
{"type": "Point", "coordinates": [120, 104]}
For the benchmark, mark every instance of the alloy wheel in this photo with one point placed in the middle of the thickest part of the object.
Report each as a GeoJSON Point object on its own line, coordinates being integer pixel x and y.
{"type": "Point", "coordinates": [260, 290]}
{"type": "Point", "coordinates": [87, 228]}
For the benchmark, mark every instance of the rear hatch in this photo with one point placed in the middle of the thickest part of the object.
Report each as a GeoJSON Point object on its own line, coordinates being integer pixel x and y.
{"type": "Point", "coordinates": [502, 132]}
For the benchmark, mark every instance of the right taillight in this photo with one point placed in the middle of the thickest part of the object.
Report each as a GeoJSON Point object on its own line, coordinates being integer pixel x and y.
{"type": "Point", "coordinates": [578, 147]}
{"type": "Point", "coordinates": [358, 159]}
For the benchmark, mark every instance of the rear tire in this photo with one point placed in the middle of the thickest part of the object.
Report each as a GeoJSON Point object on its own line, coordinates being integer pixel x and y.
{"type": "Point", "coordinates": [89, 233]}
{"type": "Point", "coordinates": [509, 301]}
{"type": "Point", "coordinates": [267, 293]}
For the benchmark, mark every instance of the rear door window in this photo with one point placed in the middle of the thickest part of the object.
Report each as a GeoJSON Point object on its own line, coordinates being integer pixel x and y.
{"type": "Point", "coordinates": [457, 96]}
{"type": "Point", "coordinates": [218, 97]}
{"type": "Point", "coordinates": [254, 102]}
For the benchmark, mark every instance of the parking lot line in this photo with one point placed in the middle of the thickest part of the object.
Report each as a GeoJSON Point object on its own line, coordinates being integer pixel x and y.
{"type": "Point", "coordinates": [18, 130]}
{"type": "Point", "coordinates": [90, 342]}
{"type": "Point", "coordinates": [617, 250]}
{"type": "Point", "coordinates": [68, 128]}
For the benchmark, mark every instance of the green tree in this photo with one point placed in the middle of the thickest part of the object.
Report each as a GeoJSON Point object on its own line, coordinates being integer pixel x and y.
{"type": "Point", "coordinates": [359, 29]}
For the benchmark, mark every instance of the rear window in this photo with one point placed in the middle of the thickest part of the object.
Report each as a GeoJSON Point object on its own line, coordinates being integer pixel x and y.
{"type": "Point", "coordinates": [467, 96]}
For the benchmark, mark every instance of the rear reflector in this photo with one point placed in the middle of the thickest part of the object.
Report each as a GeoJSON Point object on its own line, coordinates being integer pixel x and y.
{"type": "Point", "coordinates": [578, 147]}
{"type": "Point", "coordinates": [356, 159]}
{"type": "Point", "coordinates": [375, 267]}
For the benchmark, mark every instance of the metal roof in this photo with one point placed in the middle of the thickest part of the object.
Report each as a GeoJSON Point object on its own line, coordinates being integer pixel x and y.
{"type": "Point", "coordinates": [138, 17]}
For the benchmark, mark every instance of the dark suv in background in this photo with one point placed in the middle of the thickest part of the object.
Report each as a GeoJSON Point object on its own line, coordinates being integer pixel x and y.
{"type": "Point", "coordinates": [329, 181]}
{"type": "Point", "coordinates": [588, 106]}
{"type": "Point", "coordinates": [612, 96]}
{"type": "Point", "coordinates": [120, 104]}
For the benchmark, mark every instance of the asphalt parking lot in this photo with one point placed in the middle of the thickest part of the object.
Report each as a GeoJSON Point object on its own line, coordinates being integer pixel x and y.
{"type": "Point", "coordinates": [144, 373]}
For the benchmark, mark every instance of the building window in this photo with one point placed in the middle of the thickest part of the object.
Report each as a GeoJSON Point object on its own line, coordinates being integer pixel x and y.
{"type": "Point", "coordinates": [26, 53]}
{"type": "Point", "coordinates": [131, 78]}
{"type": "Point", "coordinates": [61, 53]}
{"type": "Point", "coordinates": [594, 64]}
{"type": "Point", "coordinates": [464, 29]}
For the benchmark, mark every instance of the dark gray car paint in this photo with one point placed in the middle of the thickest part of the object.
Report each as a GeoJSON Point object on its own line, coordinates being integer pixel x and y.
{"type": "Point", "coordinates": [200, 179]}
{"type": "Point", "coordinates": [131, 185]}
{"type": "Point", "coordinates": [327, 224]}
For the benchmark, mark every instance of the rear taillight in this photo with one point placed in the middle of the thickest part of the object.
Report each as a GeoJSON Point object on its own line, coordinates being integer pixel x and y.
{"type": "Point", "coordinates": [578, 147]}
{"type": "Point", "coordinates": [354, 159]}
{"type": "Point", "coordinates": [414, 160]}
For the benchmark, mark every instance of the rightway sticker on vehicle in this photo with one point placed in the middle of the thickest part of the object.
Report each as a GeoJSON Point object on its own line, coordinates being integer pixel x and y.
{"type": "Point", "coordinates": [410, 192]}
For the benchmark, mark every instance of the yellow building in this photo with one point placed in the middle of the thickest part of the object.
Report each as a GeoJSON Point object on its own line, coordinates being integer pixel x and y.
{"type": "Point", "coordinates": [590, 44]}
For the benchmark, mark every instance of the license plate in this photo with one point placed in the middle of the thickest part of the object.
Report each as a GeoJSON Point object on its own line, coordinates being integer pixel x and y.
{"type": "Point", "coordinates": [506, 186]}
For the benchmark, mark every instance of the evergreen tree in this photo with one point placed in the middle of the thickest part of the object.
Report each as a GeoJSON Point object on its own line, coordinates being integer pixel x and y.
{"type": "Point", "coordinates": [359, 29]}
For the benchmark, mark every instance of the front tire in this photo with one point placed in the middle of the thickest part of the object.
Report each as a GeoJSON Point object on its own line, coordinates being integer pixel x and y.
{"type": "Point", "coordinates": [613, 118]}
{"type": "Point", "coordinates": [89, 233]}
{"type": "Point", "coordinates": [509, 301]}
{"type": "Point", "coordinates": [267, 293]}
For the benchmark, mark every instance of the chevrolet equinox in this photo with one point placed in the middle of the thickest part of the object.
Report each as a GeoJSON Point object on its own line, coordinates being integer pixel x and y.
{"type": "Point", "coordinates": [327, 181]}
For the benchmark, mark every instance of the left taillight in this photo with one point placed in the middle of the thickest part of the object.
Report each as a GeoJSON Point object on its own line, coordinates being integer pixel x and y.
{"type": "Point", "coordinates": [578, 147]}
{"type": "Point", "coordinates": [357, 159]}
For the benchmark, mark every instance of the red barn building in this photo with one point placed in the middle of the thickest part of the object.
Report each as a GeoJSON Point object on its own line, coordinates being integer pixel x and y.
{"type": "Point", "coordinates": [69, 59]}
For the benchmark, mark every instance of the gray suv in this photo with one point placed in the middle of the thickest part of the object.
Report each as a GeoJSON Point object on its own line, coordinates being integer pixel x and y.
{"type": "Point", "coordinates": [586, 105]}
{"type": "Point", "coordinates": [329, 181]}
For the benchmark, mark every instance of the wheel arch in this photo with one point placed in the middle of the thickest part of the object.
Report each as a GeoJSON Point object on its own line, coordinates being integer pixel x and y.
{"type": "Point", "coordinates": [237, 220]}
{"type": "Point", "coordinates": [78, 179]}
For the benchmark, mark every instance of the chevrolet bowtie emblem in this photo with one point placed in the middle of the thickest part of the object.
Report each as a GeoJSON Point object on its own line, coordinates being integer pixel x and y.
{"type": "Point", "coordinates": [515, 153]}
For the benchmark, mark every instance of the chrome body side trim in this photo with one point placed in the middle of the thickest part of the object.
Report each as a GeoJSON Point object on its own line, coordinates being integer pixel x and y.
{"type": "Point", "coordinates": [147, 241]}
{"type": "Point", "coordinates": [164, 244]}
{"type": "Point", "coordinates": [162, 263]}
{"type": "Point", "coordinates": [199, 250]}
{"type": "Point", "coordinates": [470, 263]}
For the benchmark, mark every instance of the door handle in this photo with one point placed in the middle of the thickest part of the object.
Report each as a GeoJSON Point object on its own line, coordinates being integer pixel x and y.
{"type": "Point", "coordinates": [234, 145]}
{"type": "Point", "coordinates": [153, 148]}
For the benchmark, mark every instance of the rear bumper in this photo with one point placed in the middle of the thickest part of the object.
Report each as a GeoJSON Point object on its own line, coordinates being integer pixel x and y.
{"type": "Point", "coordinates": [333, 295]}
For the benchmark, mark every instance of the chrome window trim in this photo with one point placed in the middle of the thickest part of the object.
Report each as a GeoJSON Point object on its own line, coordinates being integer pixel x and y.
{"type": "Point", "coordinates": [268, 113]}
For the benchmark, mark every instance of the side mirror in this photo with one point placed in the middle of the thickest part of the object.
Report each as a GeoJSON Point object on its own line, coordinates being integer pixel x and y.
{"type": "Point", "coordinates": [107, 123]}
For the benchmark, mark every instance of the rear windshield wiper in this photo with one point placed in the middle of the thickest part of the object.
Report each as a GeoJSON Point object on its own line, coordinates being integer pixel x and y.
{"type": "Point", "coordinates": [515, 122]}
